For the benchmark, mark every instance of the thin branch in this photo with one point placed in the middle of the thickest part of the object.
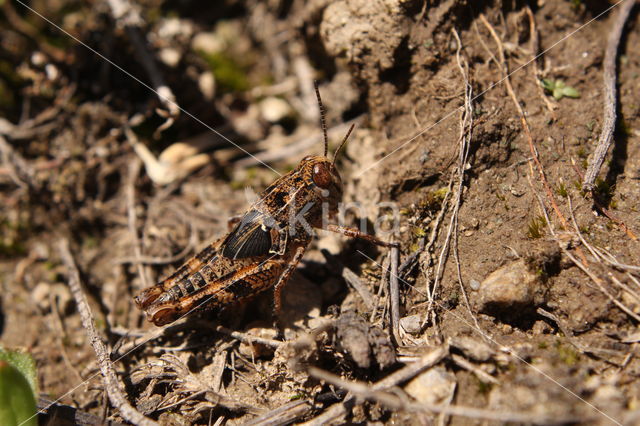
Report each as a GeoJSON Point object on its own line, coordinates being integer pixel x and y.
{"type": "Point", "coordinates": [110, 380]}
{"type": "Point", "coordinates": [610, 99]}
{"type": "Point", "coordinates": [394, 297]}
{"type": "Point", "coordinates": [480, 374]}
{"type": "Point", "coordinates": [134, 171]}
{"type": "Point", "coordinates": [19, 169]}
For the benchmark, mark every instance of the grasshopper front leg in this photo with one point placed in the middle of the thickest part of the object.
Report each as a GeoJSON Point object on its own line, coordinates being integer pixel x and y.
{"type": "Point", "coordinates": [286, 274]}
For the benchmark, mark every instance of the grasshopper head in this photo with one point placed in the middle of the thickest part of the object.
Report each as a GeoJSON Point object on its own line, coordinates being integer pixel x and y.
{"type": "Point", "coordinates": [321, 175]}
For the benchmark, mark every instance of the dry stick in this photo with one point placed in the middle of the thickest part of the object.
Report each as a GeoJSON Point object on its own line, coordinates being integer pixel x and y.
{"type": "Point", "coordinates": [464, 141]}
{"type": "Point", "coordinates": [610, 101]}
{"type": "Point", "coordinates": [505, 71]}
{"type": "Point", "coordinates": [394, 297]}
{"type": "Point", "coordinates": [400, 376]}
{"type": "Point", "coordinates": [248, 338]}
{"type": "Point", "coordinates": [134, 171]}
{"type": "Point", "coordinates": [381, 287]}
{"type": "Point", "coordinates": [110, 380]}
{"type": "Point", "coordinates": [535, 45]}
{"type": "Point", "coordinates": [466, 128]}
{"type": "Point", "coordinates": [19, 169]}
{"type": "Point", "coordinates": [482, 375]}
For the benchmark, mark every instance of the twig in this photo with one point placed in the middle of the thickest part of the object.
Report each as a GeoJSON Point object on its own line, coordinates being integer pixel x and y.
{"type": "Point", "coordinates": [394, 297]}
{"type": "Point", "coordinates": [24, 27]}
{"type": "Point", "coordinates": [466, 128]}
{"type": "Point", "coordinates": [482, 375]}
{"type": "Point", "coordinates": [351, 278]}
{"type": "Point", "coordinates": [610, 100]}
{"type": "Point", "coordinates": [110, 380]}
{"type": "Point", "coordinates": [19, 169]}
{"type": "Point", "coordinates": [586, 270]}
{"type": "Point", "coordinates": [134, 171]}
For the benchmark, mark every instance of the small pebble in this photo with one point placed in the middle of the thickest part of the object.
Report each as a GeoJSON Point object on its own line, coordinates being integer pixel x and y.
{"type": "Point", "coordinates": [170, 57]}
{"type": "Point", "coordinates": [275, 109]}
{"type": "Point", "coordinates": [474, 284]}
{"type": "Point", "coordinates": [411, 324]}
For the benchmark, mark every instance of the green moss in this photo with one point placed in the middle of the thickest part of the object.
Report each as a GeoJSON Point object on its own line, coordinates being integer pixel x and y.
{"type": "Point", "coordinates": [433, 200]}
{"type": "Point", "coordinates": [582, 153]}
{"type": "Point", "coordinates": [229, 72]}
{"type": "Point", "coordinates": [567, 354]}
{"type": "Point", "coordinates": [561, 190]}
{"type": "Point", "coordinates": [535, 228]}
{"type": "Point", "coordinates": [419, 232]}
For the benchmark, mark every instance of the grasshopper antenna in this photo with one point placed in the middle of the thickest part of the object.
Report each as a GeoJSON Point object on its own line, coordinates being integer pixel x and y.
{"type": "Point", "coordinates": [323, 123]}
{"type": "Point", "coordinates": [344, 141]}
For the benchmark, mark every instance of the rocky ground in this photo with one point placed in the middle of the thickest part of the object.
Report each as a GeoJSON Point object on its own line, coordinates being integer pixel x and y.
{"type": "Point", "coordinates": [518, 290]}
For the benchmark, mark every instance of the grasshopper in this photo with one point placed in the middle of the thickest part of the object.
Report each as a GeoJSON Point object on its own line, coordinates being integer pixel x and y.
{"type": "Point", "coordinates": [263, 248]}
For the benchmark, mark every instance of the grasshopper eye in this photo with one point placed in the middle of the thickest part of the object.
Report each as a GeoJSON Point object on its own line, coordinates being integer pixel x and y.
{"type": "Point", "coordinates": [321, 175]}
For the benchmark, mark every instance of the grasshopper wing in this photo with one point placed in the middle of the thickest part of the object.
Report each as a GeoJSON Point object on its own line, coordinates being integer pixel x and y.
{"type": "Point", "coordinates": [251, 237]}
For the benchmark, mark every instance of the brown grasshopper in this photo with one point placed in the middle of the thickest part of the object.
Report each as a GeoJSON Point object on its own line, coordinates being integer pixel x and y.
{"type": "Point", "coordinates": [263, 248]}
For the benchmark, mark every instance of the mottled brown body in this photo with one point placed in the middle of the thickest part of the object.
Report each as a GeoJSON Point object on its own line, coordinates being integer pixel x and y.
{"type": "Point", "coordinates": [261, 251]}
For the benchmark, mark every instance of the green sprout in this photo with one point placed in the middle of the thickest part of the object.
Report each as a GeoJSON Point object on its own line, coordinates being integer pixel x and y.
{"type": "Point", "coordinates": [559, 89]}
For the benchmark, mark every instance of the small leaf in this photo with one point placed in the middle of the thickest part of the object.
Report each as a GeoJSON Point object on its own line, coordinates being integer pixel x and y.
{"type": "Point", "coordinates": [17, 401]}
{"type": "Point", "coordinates": [557, 93]}
{"type": "Point", "coordinates": [548, 84]}
{"type": "Point", "coordinates": [570, 92]}
{"type": "Point", "coordinates": [24, 362]}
